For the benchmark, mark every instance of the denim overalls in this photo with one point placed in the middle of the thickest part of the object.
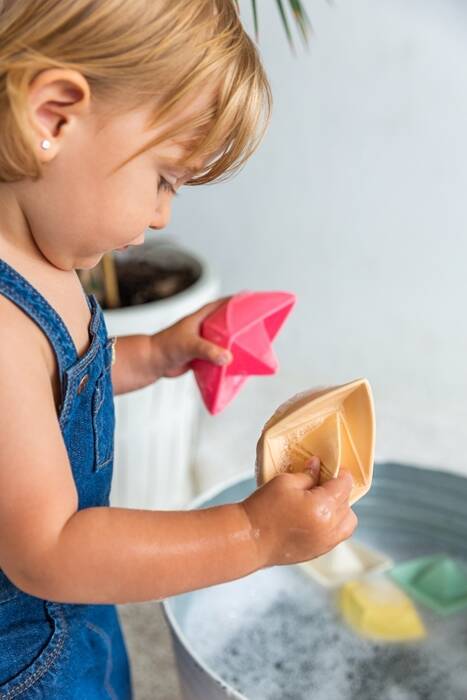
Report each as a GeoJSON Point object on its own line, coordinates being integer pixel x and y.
{"type": "Point", "coordinates": [65, 651]}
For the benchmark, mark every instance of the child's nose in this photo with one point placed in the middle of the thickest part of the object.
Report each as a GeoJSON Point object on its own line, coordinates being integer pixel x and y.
{"type": "Point", "coordinates": [162, 215]}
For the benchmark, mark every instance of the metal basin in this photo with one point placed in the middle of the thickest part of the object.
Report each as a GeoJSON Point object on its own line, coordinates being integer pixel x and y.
{"type": "Point", "coordinates": [409, 512]}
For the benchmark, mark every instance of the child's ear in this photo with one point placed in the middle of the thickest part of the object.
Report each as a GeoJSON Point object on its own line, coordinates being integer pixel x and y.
{"type": "Point", "coordinates": [56, 99]}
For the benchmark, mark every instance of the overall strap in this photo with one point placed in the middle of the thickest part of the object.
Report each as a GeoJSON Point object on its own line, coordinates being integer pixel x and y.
{"type": "Point", "coordinates": [16, 288]}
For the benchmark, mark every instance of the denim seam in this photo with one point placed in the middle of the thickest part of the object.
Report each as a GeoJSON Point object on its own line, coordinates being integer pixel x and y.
{"type": "Point", "coordinates": [68, 401]}
{"type": "Point", "coordinates": [108, 669]}
{"type": "Point", "coordinates": [95, 411]}
{"type": "Point", "coordinates": [74, 373]}
{"type": "Point", "coordinates": [88, 356]}
{"type": "Point", "coordinates": [100, 464]}
{"type": "Point", "coordinates": [63, 347]}
{"type": "Point", "coordinates": [13, 595]}
{"type": "Point", "coordinates": [43, 666]}
{"type": "Point", "coordinates": [60, 349]}
{"type": "Point", "coordinates": [42, 302]}
{"type": "Point", "coordinates": [99, 399]}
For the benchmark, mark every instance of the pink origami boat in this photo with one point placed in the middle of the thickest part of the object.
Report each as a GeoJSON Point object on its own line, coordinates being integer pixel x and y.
{"type": "Point", "coordinates": [246, 324]}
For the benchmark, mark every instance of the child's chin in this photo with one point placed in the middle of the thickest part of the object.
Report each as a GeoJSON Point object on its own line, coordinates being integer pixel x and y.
{"type": "Point", "coordinates": [89, 263]}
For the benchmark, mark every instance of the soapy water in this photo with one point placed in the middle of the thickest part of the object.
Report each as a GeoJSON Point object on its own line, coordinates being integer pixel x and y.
{"type": "Point", "coordinates": [277, 635]}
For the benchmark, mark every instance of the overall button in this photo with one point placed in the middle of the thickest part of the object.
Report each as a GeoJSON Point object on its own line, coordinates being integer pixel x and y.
{"type": "Point", "coordinates": [113, 340]}
{"type": "Point", "coordinates": [83, 382]}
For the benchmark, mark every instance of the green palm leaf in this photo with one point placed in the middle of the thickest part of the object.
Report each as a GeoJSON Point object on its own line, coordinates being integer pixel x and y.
{"type": "Point", "coordinates": [298, 12]}
{"type": "Point", "coordinates": [255, 16]}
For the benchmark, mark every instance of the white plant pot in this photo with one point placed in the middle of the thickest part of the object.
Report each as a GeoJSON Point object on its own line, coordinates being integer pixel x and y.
{"type": "Point", "coordinates": [156, 426]}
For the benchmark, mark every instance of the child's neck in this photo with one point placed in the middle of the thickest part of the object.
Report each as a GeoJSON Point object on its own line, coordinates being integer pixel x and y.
{"type": "Point", "coordinates": [17, 243]}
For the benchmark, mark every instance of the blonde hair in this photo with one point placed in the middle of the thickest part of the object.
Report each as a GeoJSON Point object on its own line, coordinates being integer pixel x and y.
{"type": "Point", "coordinates": [127, 50]}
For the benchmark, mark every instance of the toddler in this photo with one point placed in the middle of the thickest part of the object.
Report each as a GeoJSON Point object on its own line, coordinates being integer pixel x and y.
{"type": "Point", "coordinates": [108, 107]}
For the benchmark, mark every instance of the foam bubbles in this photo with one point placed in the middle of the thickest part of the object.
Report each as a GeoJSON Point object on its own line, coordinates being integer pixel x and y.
{"type": "Point", "coordinates": [276, 635]}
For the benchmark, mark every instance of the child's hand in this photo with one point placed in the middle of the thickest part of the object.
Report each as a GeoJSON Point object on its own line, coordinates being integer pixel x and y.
{"type": "Point", "coordinates": [293, 519]}
{"type": "Point", "coordinates": [175, 347]}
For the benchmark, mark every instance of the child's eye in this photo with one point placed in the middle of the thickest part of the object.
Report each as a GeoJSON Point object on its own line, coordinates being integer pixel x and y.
{"type": "Point", "coordinates": [166, 186]}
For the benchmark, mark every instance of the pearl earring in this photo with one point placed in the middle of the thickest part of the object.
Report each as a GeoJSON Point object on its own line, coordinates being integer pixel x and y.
{"type": "Point", "coordinates": [45, 144]}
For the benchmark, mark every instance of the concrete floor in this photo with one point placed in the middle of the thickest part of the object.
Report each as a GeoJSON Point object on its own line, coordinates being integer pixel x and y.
{"type": "Point", "coordinates": [149, 647]}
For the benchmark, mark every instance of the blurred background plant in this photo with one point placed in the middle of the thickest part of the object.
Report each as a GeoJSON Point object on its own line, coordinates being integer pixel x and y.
{"type": "Point", "coordinates": [125, 279]}
{"type": "Point", "coordinates": [298, 12]}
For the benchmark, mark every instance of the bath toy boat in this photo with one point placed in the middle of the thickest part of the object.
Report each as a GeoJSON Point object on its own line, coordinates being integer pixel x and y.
{"type": "Point", "coordinates": [350, 559]}
{"type": "Point", "coordinates": [378, 609]}
{"type": "Point", "coordinates": [437, 581]}
{"type": "Point", "coordinates": [246, 325]}
{"type": "Point", "coordinates": [337, 424]}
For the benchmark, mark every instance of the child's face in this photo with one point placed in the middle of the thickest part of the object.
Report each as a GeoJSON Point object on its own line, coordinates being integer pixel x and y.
{"type": "Point", "coordinates": [79, 210]}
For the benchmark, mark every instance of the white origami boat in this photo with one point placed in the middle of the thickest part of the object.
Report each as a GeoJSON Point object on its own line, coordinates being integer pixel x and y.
{"type": "Point", "coordinates": [349, 560]}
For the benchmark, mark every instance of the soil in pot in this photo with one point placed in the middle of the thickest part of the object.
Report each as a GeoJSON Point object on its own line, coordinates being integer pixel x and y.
{"type": "Point", "coordinates": [146, 273]}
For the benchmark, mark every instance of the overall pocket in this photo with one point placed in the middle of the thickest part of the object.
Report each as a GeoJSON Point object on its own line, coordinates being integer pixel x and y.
{"type": "Point", "coordinates": [32, 638]}
{"type": "Point", "coordinates": [100, 643]}
{"type": "Point", "coordinates": [103, 413]}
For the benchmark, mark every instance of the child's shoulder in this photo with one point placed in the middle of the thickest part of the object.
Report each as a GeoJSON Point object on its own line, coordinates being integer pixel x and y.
{"type": "Point", "coordinates": [24, 343]}
{"type": "Point", "coordinates": [18, 330]}
{"type": "Point", "coordinates": [24, 346]}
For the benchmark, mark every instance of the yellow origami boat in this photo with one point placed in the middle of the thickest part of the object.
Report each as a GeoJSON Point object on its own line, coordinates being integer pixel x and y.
{"type": "Point", "coordinates": [379, 610]}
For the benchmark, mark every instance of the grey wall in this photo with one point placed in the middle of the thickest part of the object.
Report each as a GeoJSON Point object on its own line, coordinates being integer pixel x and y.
{"type": "Point", "coordinates": [356, 202]}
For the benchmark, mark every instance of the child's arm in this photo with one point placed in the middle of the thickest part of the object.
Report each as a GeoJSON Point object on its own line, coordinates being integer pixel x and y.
{"type": "Point", "coordinates": [142, 359]}
{"type": "Point", "coordinates": [133, 368]}
{"type": "Point", "coordinates": [51, 550]}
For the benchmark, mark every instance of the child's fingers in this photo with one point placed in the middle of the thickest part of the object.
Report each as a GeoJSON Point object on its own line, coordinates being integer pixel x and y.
{"type": "Point", "coordinates": [340, 487]}
{"type": "Point", "coordinates": [313, 467]}
{"type": "Point", "coordinates": [348, 525]}
{"type": "Point", "coordinates": [309, 478]}
{"type": "Point", "coordinates": [302, 481]}
{"type": "Point", "coordinates": [178, 371]}
{"type": "Point", "coordinates": [305, 480]}
{"type": "Point", "coordinates": [205, 350]}
{"type": "Point", "coordinates": [210, 307]}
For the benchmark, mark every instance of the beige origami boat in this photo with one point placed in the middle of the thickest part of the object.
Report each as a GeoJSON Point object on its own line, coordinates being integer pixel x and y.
{"type": "Point", "coordinates": [337, 424]}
